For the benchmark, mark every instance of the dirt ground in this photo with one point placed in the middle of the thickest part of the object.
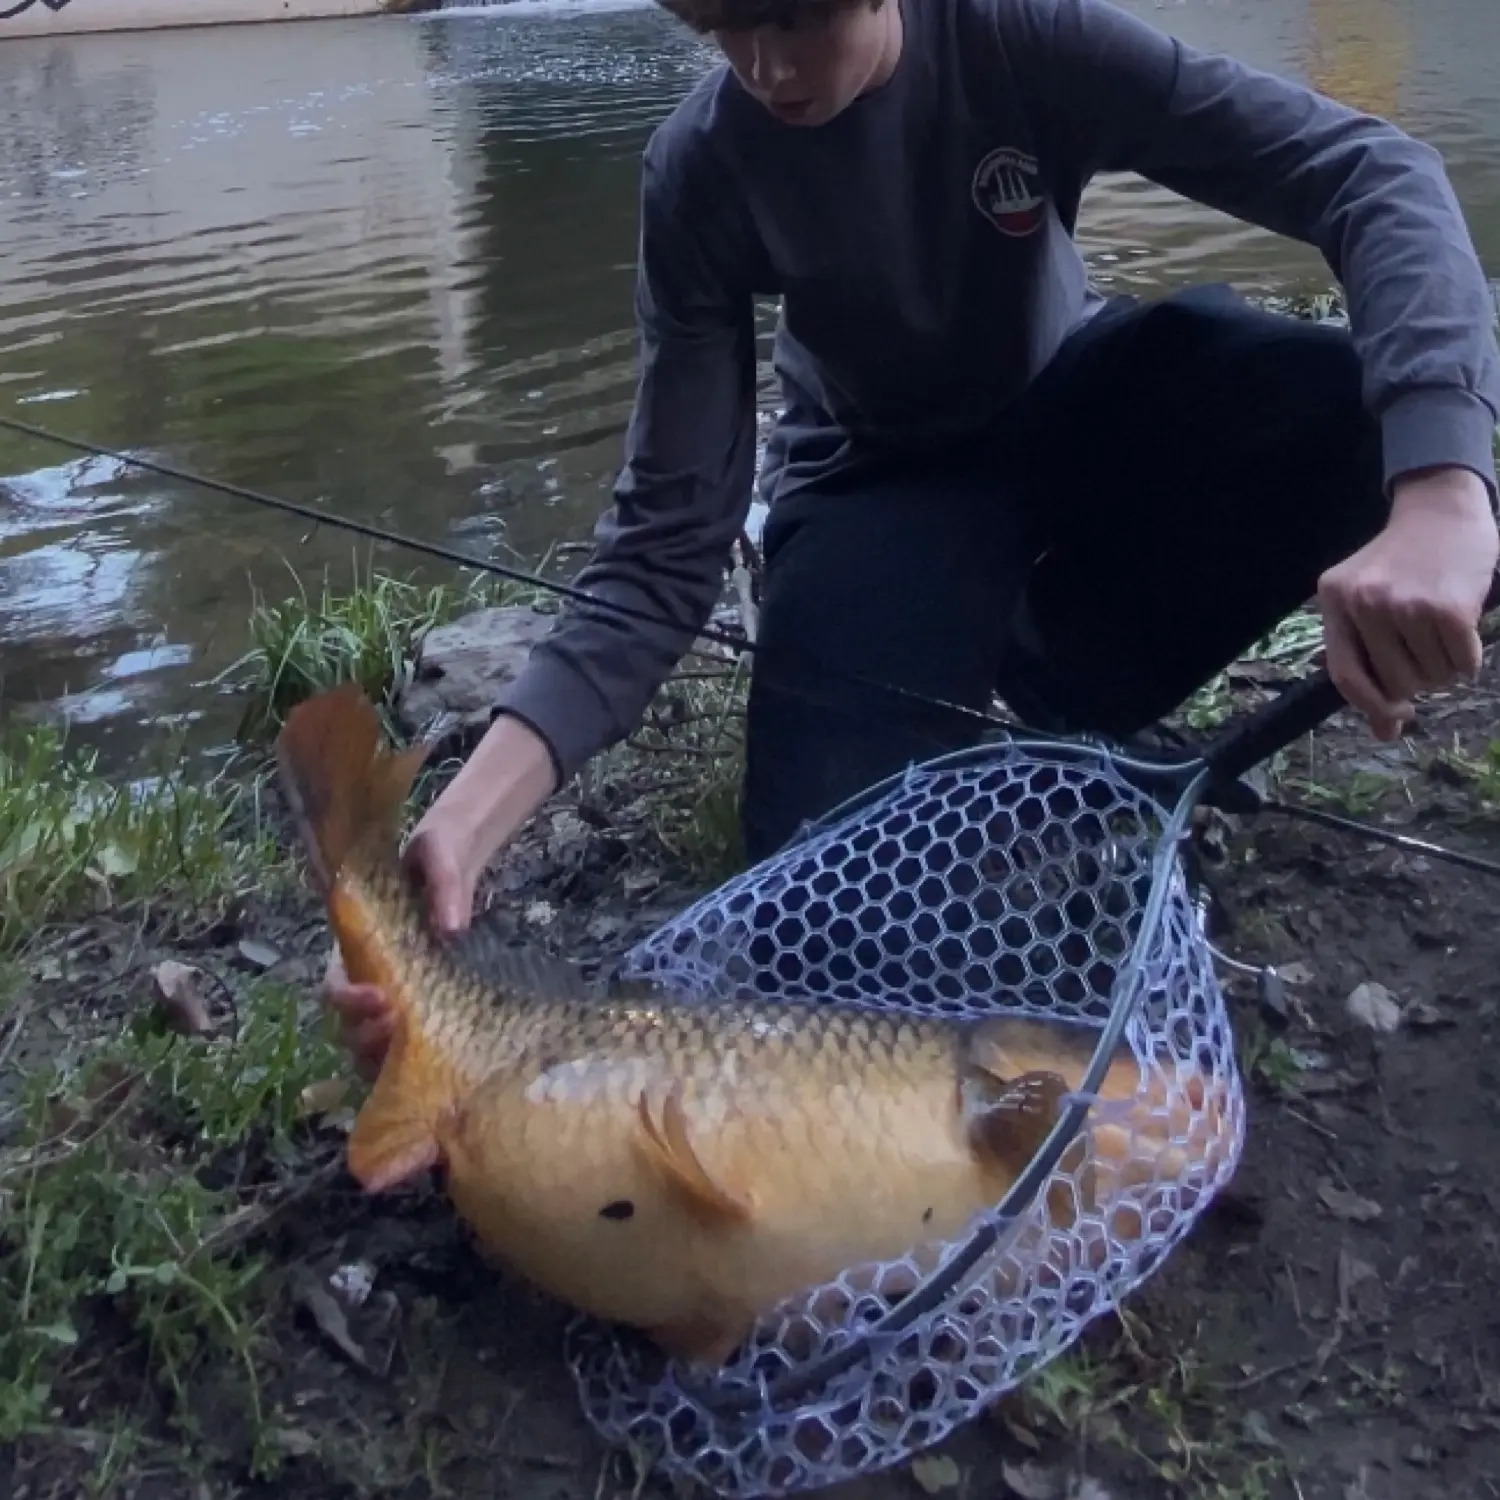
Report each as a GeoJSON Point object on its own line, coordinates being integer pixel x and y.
{"type": "Point", "coordinates": [1331, 1330]}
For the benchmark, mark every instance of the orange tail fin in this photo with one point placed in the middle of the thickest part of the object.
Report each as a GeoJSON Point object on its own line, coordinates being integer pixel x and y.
{"type": "Point", "coordinates": [344, 786]}
{"type": "Point", "coordinates": [346, 792]}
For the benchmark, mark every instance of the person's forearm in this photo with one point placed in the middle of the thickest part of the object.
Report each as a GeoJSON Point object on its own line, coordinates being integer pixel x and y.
{"type": "Point", "coordinates": [681, 497]}
{"type": "Point", "coordinates": [506, 779]}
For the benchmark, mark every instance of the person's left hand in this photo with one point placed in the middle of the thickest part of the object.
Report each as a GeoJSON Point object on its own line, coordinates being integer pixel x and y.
{"type": "Point", "coordinates": [1401, 615]}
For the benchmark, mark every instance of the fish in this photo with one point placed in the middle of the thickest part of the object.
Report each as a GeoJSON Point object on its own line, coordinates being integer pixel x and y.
{"type": "Point", "coordinates": [675, 1166]}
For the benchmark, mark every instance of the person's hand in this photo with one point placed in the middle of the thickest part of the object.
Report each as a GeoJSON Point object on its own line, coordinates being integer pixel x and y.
{"type": "Point", "coordinates": [506, 779]}
{"type": "Point", "coordinates": [1401, 615]}
{"type": "Point", "coordinates": [436, 857]}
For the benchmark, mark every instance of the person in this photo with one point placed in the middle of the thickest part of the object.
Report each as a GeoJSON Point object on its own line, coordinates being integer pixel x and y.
{"type": "Point", "coordinates": [988, 475]}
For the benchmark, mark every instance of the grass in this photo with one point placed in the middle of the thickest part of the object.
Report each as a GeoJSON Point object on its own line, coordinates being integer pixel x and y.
{"type": "Point", "coordinates": [126, 1204]}
{"type": "Point", "coordinates": [1287, 651]}
{"type": "Point", "coordinates": [72, 842]}
{"type": "Point", "coordinates": [1122, 1389]}
{"type": "Point", "coordinates": [367, 633]}
{"type": "Point", "coordinates": [683, 769]}
{"type": "Point", "coordinates": [131, 1183]}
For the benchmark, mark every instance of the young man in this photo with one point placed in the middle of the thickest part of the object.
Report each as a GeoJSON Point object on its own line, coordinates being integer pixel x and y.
{"type": "Point", "coordinates": [988, 477]}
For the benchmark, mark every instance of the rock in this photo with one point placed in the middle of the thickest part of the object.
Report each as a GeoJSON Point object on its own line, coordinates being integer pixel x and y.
{"type": "Point", "coordinates": [462, 668]}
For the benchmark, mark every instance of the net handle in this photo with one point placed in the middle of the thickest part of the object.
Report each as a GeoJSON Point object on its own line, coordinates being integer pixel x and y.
{"type": "Point", "coordinates": [1298, 710]}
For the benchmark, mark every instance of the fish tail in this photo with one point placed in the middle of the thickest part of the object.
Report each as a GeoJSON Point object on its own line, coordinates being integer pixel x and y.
{"type": "Point", "coordinates": [346, 791]}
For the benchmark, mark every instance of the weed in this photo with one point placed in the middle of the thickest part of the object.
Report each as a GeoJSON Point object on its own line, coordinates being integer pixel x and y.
{"type": "Point", "coordinates": [683, 768]}
{"type": "Point", "coordinates": [367, 634]}
{"type": "Point", "coordinates": [1266, 1058]}
{"type": "Point", "coordinates": [1289, 650]}
{"type": "Point", "coordinates": [72, 843]}
{"type": "Point", "coordinates": [1480, 772]}
{"type": "Point", "coordinates": [117, 1203]}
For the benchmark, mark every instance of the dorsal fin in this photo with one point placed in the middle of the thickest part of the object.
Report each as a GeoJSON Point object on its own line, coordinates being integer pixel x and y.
{"type": "Point", "coordinates": [491, 951]}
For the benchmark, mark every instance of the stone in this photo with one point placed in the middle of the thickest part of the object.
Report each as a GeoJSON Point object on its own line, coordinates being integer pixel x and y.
{"type": "Point", "coordinates": [462, 668]}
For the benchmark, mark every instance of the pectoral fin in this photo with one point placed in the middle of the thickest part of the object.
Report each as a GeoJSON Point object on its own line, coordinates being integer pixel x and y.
{"type": "Point", "coordinates": [666, 1143]}
{"type": "Point", "coordinates": [395, 1136]}
{"type": "Point", "coordinates": [1011, 1123]}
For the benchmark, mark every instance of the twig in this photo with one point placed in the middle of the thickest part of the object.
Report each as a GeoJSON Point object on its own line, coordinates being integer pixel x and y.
{"type": "Point", "coordinates": [1340, 1321]}
{"type": "Point", "coordinates": [1291, 1282]}
{"type": "Point", "coordinates": [1313, 1125]}
{"type": "Point", "coordinates": [1288, 1367]}
{"type": "Point", "coordinates": [254, 1219]}
{"type": "Point", "coordinates": [17, 1019]}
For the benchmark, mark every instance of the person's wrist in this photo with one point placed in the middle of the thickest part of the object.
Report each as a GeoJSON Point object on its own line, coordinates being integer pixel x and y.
{"type": "Point", "coordinates": [455, 824]}
{"type": "Point", "coordinates": [1454, 492]}
{"type": "Point", "coordinates": [509, 775]}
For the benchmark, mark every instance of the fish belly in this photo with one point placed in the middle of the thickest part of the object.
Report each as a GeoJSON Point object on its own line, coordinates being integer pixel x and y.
{"type": "Point", "coordinates": [750, 1193]}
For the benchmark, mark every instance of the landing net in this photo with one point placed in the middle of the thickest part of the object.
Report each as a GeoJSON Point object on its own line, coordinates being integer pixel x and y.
{"type": "Point", "coordinates": [1019, 877]}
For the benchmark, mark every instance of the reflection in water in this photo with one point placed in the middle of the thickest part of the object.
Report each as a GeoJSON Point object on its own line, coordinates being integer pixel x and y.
{"type": "Point", "coordinates": [1358, 53]}
{"type": "Point", "coordinates": [389, 269]}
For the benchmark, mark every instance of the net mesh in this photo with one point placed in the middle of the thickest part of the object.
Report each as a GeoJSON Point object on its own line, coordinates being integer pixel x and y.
{"type": "Point", "coordinates": [1017, 879]}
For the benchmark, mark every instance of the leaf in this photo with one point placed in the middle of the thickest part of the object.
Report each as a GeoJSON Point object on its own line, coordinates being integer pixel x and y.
{"type": "Point", "coordinates": [112, 861]}
{"type": "Point", "coordinates": [1030, 1481]}
{"type": "Point", "coordinates": [936, 1474]}
{"type": "Point", "coordinates": [1350, 1207]}
{"type": "Point", "coordinates": [58, 1333]}
{"type": "Point", "coordinates": [180, 999]}
{"type": "Point", "coordinates": [324, 1096]}
{"type": "Point", "coordinates": [1089, 1489]}
{"type": "Point", "coordinates": [262, 955]}
{"type": "Point", "coordinates": [1374, 1006]}
{"type": "Point", "coordinates": [329, 1317]}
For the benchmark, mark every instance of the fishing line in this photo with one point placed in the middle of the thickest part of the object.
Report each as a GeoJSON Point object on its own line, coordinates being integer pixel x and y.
{"type": "Point", "coordinates": [736, 640]}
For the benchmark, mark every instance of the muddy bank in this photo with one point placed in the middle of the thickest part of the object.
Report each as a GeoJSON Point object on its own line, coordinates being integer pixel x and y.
{"type": "Point", "coordinates": [199, 1301]}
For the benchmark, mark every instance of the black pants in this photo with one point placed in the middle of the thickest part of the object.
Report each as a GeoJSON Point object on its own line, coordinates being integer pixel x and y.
{"type": "Point", "coordinates": [1168, 490]}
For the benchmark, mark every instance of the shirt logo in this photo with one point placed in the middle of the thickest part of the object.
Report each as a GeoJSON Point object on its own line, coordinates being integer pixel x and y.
{"type": "Point", "coordinates": [1007, 191]}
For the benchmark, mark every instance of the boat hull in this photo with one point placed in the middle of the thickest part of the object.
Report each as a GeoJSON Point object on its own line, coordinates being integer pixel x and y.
{"type": "Point", "coordinates": [20, 18]}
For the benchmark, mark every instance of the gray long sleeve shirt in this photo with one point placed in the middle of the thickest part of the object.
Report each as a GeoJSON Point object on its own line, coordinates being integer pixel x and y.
{"type": "Point", "coordinates": [921, 243]}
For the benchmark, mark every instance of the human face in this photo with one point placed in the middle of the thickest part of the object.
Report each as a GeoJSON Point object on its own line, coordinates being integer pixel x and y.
{"type": "Point", "coordinates": [813, 67]}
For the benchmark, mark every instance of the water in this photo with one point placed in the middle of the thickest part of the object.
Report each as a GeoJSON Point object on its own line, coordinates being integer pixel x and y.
{"type": "Point", "coordinates": [386, 266]}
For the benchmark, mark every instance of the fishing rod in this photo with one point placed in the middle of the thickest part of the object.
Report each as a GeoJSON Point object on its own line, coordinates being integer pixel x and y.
{"type": "Point", "coordinates": [993, 724]}
{"type": "Point", "coordinates": [736, 640]}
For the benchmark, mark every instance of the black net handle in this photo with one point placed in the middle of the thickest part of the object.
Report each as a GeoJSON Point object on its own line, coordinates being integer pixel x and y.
{"type": "Point", "coordinates": [1290, 715]}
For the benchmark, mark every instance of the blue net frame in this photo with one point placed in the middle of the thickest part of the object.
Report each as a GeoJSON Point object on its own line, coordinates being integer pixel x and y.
{"type": "Point", "coordinates": [1024, 876]}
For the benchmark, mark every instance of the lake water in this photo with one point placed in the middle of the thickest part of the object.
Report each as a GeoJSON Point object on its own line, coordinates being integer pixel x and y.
{"type": "Point", "coordinates": [385, 266]}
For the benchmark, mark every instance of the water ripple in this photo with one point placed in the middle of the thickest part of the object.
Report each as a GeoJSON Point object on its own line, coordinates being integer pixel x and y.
{"type": "Point", "coordinates": [387, 267]}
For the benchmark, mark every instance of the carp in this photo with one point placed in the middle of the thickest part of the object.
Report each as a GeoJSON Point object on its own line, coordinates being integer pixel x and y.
{"type": "Point", "coordinates": [679, 1167]}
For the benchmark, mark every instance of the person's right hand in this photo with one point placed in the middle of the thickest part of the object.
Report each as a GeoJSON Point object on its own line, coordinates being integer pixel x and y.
{"type": "Point", "coordinates": [509, 775]}
{"type": "Point", "coordinates": [365, 1020]}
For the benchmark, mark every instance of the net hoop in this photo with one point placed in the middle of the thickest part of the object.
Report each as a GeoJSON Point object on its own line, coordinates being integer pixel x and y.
{"type": "Point", "coordinates": [1024, 876]}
